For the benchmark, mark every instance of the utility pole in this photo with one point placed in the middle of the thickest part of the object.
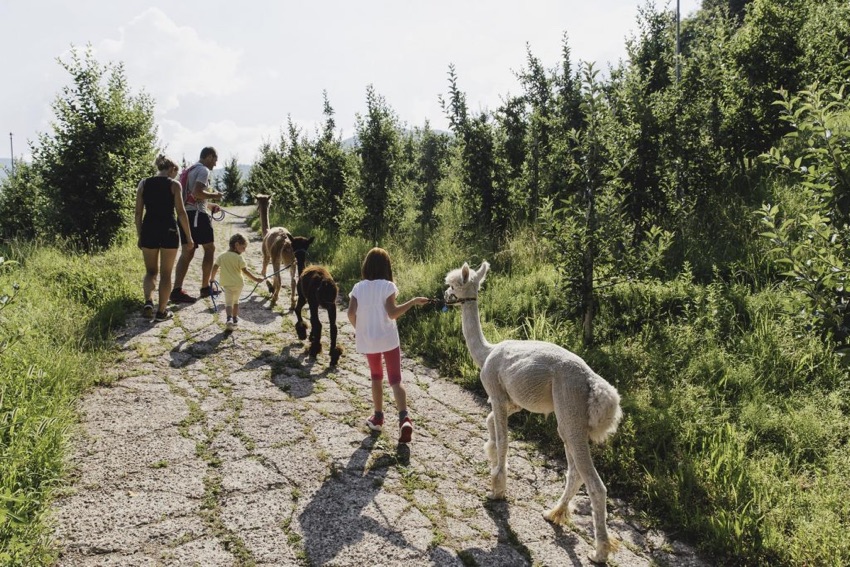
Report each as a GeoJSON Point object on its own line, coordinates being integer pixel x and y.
{"type": "Point", "coordinates": [677, 41]}
{"type": "Point", "coordinates": [12, 153]}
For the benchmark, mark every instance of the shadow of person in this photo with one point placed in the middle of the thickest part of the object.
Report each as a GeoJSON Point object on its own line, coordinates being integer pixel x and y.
{"type": "Point", "coordinates": [334, 518]}
{"type": "Point", "coordinates": [183, 355]}
{"type": "Point", "coordinates": [509, 551]}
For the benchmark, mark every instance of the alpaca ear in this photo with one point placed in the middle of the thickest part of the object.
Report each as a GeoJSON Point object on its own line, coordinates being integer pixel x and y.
{"type": "Point", "coordinates": [482, 271]}
{"type": "Point", "coordinates": [310, 240]}
{"type": "Point", "coordinates": [464, 272]}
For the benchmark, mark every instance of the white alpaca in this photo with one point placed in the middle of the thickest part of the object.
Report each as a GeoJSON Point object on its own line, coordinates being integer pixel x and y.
{"type": "Point", "coordinates": [540, 377]}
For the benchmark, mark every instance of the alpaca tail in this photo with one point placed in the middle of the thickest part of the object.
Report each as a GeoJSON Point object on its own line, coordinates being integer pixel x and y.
{"type": "Point", "coordinates": [604, 413]}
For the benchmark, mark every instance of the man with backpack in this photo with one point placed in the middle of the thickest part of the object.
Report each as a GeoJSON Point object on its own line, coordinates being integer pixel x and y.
{"type": "Point", "coordinates": [196, 191]}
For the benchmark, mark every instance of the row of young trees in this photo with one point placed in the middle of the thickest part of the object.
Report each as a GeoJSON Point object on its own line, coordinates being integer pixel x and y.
{"type": "Point", "coordinates": [632, 174]}
{"type": "Point", "coordinates": [629, 175]}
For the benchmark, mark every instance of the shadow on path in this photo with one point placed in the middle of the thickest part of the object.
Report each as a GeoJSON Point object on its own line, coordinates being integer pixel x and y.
{"type": "Point", "coordinates": [334, 518]}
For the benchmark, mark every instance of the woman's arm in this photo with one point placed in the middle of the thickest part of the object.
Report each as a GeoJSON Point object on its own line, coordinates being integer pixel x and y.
{"type": "Point", "coordinates": [352, 312]}
{"type": "Point", "coordinates": [140, 207]}
{"type": "Point", "coordinates": [182, 216]}
{"type": "Point", "coordinates": [395, 311]}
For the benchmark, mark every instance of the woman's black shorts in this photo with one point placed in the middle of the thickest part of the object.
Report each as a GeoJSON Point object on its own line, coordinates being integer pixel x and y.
{"type": "Point", "coordinates": [203, 232]}
{"type": "Point", "coordinates": [161, 234]}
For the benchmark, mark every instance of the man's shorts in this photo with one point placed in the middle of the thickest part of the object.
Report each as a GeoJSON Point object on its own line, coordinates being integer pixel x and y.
{"type": "Point", "coordinates": [203, 232]}
{"type": "Point", "coordinates": [159, 235]}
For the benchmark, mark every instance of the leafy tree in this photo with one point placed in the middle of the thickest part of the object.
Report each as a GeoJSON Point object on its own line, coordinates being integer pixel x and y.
{"type": "Point", "coordinates": [103, 142]}
{"type": "Point", "coordinates": [233, 187]}
{"type": "Point", "coordinates": [810, 232]}
{"type": "Point", "coordinates": [327, 174]}
{"type": "Point", "coordinates": [21, 203]}
{"type": "Point", "coordinates": [486, 204]}
{"type": "Point", "coordinates": [431, 167]}
{"type": "Point", "coordinates": [379, 152]}
{"type": "Point", "coordinates": [589, 228]}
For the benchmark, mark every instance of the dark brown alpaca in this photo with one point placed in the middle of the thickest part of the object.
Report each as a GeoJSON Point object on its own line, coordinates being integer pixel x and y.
{"type": "Point", "coordinates": [317, 288]}
{"type": "Point", "coordinates": [280, 247]}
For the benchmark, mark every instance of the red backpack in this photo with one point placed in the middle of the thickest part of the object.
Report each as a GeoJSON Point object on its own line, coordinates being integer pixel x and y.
{"type": "Point", "coordinates": [188, 196]}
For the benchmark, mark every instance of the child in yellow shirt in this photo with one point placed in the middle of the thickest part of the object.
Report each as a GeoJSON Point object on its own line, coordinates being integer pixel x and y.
{"type": "Point", "coordinates": [233, 266]}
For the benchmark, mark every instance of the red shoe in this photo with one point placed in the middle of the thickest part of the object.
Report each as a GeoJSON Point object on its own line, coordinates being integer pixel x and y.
{"type": "Point", "coordinates": [375, 424]}
{"type": "Point", "coordinates": [406, 431]}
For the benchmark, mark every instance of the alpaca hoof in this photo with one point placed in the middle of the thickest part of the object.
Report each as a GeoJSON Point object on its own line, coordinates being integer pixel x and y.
{"type": "Point", "coordinates": [270, 287]}
{"type": "Point", "coordinates": [603, 549]}
{"type": "Point", "coordinates": [555, 515]}
{"type": "Point", "coordinates": [315, 349]}
{"type": "Point", "coordinates": [496, 496]}
{"type": "Point", "coordinates": [335, 354]}
{"type": "Point", "coordinates": [301, 330]}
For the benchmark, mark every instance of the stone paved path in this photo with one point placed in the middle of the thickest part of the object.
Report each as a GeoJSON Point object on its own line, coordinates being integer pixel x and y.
{"type": "Point", "coordinates": [212, 448]}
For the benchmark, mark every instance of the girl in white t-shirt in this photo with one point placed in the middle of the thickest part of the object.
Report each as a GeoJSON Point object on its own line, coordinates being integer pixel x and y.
{"type": "Point", "coordinates": [372, 311]}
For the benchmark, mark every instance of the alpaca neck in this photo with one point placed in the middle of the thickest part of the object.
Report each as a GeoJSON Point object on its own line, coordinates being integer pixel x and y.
{"type": "Point", "coordinates": [478, 346]}
{"type": "Point", "coordinates": [264, 217]}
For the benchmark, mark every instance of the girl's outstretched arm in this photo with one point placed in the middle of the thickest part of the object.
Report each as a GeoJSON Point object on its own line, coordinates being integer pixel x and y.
{"type": "Point", "coordinates": [395, 311]}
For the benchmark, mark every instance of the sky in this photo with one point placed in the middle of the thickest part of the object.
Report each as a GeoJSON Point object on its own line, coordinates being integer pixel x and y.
{"type": "Point", "coordinates": [229, 74]}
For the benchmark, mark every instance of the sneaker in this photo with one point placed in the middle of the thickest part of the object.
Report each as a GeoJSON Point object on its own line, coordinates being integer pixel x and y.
{"type": "Point", "coordinates": [180, 296]}
{"type": "Point", "coordinates": [406, 431]}
{"type": "Point", "coordinates": [147, 310]}
{"type": "Point", "coordinates": [375, 424]}
{"type": "Point", "coordinates": [236, 321]}
{"type": "Point", "coordinates": [163, 316]}
{"type": "Point", "coordinates": [230, 325]}
{"type": "Point", "coordinates": [207, 292]}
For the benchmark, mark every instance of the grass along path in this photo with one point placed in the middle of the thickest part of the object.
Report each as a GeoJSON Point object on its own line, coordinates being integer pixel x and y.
{"type": "Point", "coordinates": [211, 448]}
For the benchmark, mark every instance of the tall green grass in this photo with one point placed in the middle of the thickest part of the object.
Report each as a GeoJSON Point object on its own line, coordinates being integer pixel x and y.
{"type": "Point", "coordinates": [59, 325]}
{"type": "Point", "coordinates": [736, 423]}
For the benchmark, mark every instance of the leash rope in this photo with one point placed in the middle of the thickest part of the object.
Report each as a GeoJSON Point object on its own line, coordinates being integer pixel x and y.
{"type": "Point", "coordinates": [250, 293]}
{"type": "Point", "coordinates": [220, 214]}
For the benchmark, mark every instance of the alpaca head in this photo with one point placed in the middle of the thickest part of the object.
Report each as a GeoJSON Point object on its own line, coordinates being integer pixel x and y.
{"type": "Point", "coordinates": [465, 282]}
{"type": "Point", "coordinates": [299, 249]}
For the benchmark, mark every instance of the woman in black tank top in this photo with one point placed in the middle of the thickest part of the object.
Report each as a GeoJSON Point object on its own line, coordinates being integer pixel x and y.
{"type": "Point", "coordinates": [157, 198]}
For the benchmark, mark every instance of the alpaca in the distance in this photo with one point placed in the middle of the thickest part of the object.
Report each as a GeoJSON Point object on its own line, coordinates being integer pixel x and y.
{"type": "Point", "coordinates": [318, 289]}
{"type": "Point", "coordinates": [280, 247]}
{"type": "Point", "coordinates": [540, 377]}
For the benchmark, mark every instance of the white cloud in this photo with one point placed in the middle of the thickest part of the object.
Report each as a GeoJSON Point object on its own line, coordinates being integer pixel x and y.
{"type": "Point", "coordinates": [173, 61]}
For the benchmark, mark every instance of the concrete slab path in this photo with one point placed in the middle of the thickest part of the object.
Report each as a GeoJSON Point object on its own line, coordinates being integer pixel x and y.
{"type": "Point", "coordinates": [213, 448]}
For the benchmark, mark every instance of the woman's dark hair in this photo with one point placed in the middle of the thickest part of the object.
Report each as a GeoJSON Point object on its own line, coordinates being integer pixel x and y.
{"type": "Point", "coordinates": [377, 265]}
{"type": "Point", "coordinates": [164, 163]}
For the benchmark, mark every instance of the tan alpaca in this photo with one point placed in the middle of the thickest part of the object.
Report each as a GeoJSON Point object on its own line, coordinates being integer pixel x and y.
{"type": "Point", "coordinates": [282, 249]}
{"type": "Point", "coordinates": [543, 378]}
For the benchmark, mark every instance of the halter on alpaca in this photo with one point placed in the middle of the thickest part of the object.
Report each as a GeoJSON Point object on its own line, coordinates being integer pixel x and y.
{"type": "Point", "coordinates": [280, 247]}
{"type": "Point", "coordinates": [317, 288]}
{"type": "Point", "coordinates": [540, 377]}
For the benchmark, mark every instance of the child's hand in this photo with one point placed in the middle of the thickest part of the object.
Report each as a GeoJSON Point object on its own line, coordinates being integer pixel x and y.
{"type": "Point", "coordinates": [421, 300]}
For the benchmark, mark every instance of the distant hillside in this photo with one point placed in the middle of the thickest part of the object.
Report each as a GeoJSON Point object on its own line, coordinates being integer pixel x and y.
{"type": "Point", "coordinates": [243, 169]}
{"type": "Point", "coordinates": [6, 167]}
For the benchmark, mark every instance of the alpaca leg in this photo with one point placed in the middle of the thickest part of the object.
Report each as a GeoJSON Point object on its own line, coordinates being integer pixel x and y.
{"type": "Point", "coordinates": [499, 472]}
{"type": "Point", "coordinates": [300, 327]}
{"type": "Point", "coordinates": [275, 291]}
{"type": "Point", "coordinates": [562, 509]}
{"type": "Point", "coordinates": [292, 286]}
{"type": "Point", "coordinates": [315, 329]}
{"type": "Point", "coordinates": [598, 495]}
{"type": "Point", "coordinates": [335, 350]}
{"type": "Point", "coordinates": [490, 445]}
